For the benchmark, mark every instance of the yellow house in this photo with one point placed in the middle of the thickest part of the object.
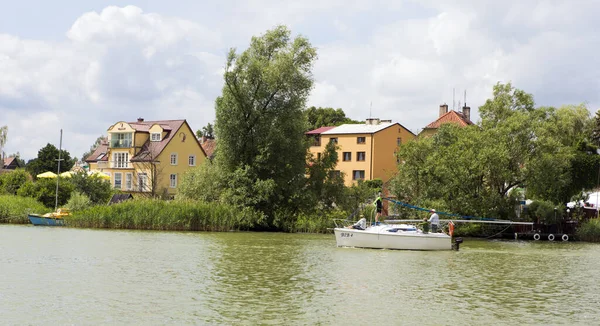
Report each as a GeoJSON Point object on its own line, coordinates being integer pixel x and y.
{"type": "Point", "coordinates": [147, 156]}
{"type": "Point", "coordinates": [366, 151]}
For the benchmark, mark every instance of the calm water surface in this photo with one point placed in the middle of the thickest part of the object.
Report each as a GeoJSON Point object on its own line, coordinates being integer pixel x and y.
{"type": "Point", "coordinates": [73, 276]}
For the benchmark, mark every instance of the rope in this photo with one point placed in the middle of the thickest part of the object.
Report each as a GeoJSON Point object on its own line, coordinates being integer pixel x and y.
{"type": "Point", "coordinates": [466, 217]}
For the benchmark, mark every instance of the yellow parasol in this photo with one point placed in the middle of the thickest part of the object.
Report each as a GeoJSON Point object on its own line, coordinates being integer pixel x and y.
{"type": "Point", "coordinates": [47, 175]}
{"type": "Point", "coordinates": [99, 174]}
{"type": "Point", "coordinates": [67, 174]}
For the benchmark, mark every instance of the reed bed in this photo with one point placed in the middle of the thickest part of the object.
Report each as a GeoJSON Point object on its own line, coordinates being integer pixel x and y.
{"type": "Point", "coordinates": [153, 214]}
{"type": "Point", "coordinates": [589, 231]}
{"type": "Point", "coordinates": [14, 209]}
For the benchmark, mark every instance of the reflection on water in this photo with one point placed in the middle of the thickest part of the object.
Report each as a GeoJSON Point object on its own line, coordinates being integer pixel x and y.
{"type": "Point", "coordinates": [132, 277]}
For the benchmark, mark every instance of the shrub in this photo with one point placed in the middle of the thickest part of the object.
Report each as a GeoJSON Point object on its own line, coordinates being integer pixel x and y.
{"type": "Point", "coordinates": [44, 190]}
{"type": "Point", "coordinates": [544, 210]}
{"type": "Point", "coordinates": [14, 209]}
{"type": "Point", "coordinates": [96, 189]}
{"type": "Point", "coordinates": [13, 180]}
{"type": "Point", "coordinates": [589, 231]}
{"type": "Point", "coordinates": [78, 202]}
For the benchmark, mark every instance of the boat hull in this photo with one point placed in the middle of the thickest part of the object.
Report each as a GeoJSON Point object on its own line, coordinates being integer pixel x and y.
{"type": "Point", "coordinates": [384, 239]}
{"type": "Point", "coordinates": [47, 221]}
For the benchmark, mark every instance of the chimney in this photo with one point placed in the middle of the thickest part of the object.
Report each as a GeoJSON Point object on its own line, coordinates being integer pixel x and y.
{"type": "Point", "coordinates": [443, 109]}
{"type": "Point", "coordinates": [467, 112]}
{"type": "Point", "coordinates": [140, 119]}
{"type": "Point", "coordinates": [372, 121]}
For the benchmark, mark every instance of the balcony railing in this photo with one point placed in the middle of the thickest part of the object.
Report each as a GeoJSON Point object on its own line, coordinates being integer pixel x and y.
{"type": "Point", "coordinates": [120, 165]}
{"type": "Point", "coordinates": [121, 143]}
{"type": "Point", "coordinates": [102, 164]}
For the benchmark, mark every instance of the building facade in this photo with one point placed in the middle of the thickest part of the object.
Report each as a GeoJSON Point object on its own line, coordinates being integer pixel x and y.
{"type": "Point", "coordinates": [366, 151]}
{"type": "Point", "coordinates": [147, 156]}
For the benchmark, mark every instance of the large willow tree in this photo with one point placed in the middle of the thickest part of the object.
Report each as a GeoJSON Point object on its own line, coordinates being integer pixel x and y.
{"type": "Point", "coordinates": [259, 123]}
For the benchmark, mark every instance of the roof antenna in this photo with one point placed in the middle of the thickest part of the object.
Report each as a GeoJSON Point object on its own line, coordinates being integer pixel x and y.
{"type": "Point", "coordinates": [370, 109]}
{"type": "Point", "coordinates": [453, 97]}
{"type": "Point", "coordinates": [465, 97]}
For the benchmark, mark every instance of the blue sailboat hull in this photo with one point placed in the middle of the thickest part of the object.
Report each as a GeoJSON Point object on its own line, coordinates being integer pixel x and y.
{"type": "Point", "coordinates": [47, 221]}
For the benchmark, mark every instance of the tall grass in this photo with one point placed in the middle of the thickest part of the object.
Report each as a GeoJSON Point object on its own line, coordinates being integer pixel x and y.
{"type": "Point", "coordinates": [318, 222]}
{"type": "Point", "coordinates": [14, 209]}
{"type": "Point", "coordinates": [153, 214]}
{"type": "Point", "coordinates": [589, 231]}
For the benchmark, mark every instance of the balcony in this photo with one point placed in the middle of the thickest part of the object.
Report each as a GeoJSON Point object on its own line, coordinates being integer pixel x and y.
{"type": "Point", "coordinates": [120, 165]}
{"type": "Point", "coordinates": [121, 143]}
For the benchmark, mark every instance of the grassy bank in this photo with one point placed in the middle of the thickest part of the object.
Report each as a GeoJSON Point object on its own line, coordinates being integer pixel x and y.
{"type": "Point", "coordinates": [148, 214]}
{"type": "Point", "coordinates": [14, 209]}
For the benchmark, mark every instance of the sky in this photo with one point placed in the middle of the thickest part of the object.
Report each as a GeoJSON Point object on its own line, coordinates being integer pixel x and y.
{"type": "Point", "coordinates": [82, 66]}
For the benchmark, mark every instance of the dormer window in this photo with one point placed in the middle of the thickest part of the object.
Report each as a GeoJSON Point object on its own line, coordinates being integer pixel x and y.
{"type": "Point", "coordinates": [100, 156]}
{"type": "Point", "coordinates": [155, 136]}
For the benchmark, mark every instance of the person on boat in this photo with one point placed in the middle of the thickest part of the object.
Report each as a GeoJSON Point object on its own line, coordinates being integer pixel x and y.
{"type": "Point", "coordinates": [425, 225]}
{"type": "Point", "coordinates": [434, 219]}
{"type": "Point", "coordinates": [379, 207]}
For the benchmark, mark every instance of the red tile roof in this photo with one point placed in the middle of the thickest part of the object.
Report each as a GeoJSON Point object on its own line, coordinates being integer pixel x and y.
{"type": "Point", "coordinates": [319, 131]}
{"type": "Point", "coordinates": [209, 145]}
{"type": "Point", "coordinates": [151, 149]}
{"type": "Point", "coordinates": [102, 148]}
{"type": "Point", "coordinates": [450, 117]}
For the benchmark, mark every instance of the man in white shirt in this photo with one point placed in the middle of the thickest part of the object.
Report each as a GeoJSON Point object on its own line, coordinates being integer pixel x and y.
{"type": "Point", "coordinates": [434, 220]}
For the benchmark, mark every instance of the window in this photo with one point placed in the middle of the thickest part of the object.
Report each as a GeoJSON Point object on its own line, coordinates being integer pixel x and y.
{"type": "Point", "coordinates": [399, 141]}
{"type": "Point", "coordinates": [118, 180]}
{"type": "Point", "coordinates": [121, 160]}
{"type": "Point", "coordinates": [316, 141]}
{"type": "Point", "coordinates": [319, 156]}
{"type": "Point", "coordinates": [121, 140]}
{"type": "Point", "coordinates": [100, 156]}
{"type": "Point", "coordinates": [333, 140]}
{"type": "Point", "coordinates": [347, 156]}
{"type": "Point", "coordinates": [361, 140]}
{"type": "Point", "coordinates": [360, 156]}
{"type": "Point", "coordinates": [358, 175]}
{"type": "Point", "coordinates": [155, 136]}
{"type": "Point", "coordinates": [192, 160]}
{"type": "Point", "coordinates": [128, 181]}
{"type": "Point", "coordinates": [173, 179]}
{"type": "Point", "coordinates": [173, 159]}
{"type": "Point", "coordinates": [142, 182]}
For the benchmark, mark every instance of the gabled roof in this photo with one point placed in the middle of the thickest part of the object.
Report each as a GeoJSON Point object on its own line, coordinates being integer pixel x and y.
{"type": "Point", "coordinates": [319, 131]}
{"type": "Point", "coordinates": [151, 149]}
{"type": "Point", "coordinates": [97, 154]}
{"type": "Point", "coordinates": [8, 161]}
{"type": "Point", "coordinates": [450, 117]}
{"type": "Point", "coordinates": [209, 145]}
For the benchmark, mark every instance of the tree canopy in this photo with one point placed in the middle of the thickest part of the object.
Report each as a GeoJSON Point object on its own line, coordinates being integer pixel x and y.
{"type": "Point", "coordinates": [323, 117]}
{"type": "Point", "coordinates": [95, 145]}
{"type": "Point", "coordinates": [207, 131]}
{"type": "Point", "coordinates": [475, 170]}
{"type": "Point", "coordinates": [46, 160]}
{"type": "Point", "coordinates": [3, 137]}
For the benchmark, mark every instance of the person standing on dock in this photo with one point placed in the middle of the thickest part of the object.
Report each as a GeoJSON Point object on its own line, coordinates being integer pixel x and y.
{"type": "Point", "coordinates": [434, 219]}
{"type": "Point", "coordinates": [379, 207]}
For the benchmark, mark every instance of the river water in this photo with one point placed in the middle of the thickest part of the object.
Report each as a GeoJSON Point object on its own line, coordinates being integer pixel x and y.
{"type": "Point", "coordinates": [62, 276]}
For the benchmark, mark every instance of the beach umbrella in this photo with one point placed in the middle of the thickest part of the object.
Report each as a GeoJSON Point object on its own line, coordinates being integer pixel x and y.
{"type": "Point", "coordinates": [67, 174]}
{"type": "Point", "coordinates": [47, 175]}
{"type": "Point", "coordinates": [99, 174]}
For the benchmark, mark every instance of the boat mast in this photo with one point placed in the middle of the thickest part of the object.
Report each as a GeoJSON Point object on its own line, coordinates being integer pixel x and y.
{"type": "Point", "coordinates": [58, 174]}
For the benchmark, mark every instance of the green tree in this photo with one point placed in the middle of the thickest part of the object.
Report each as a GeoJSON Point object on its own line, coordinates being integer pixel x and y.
{"type": "Point", "coordinates": [206, 131]}
{"type": "Point", "coordinates": [324, 185]}
{"type": "Point", "coordinates": [47, 161]}
{"type": "Point", "coordinates": [11, 181]}
{"type": "Point", "coordinates": [3, 136]}
{"type": "Point", "coordinates": [44, 190]}
{"type": "Point", "coordinates": [260, 122]}
{"type": "Point", "coordinates": [96, 189]}
{"type": "Point", "coordinates": [323, 117]}
{"type": "Point", "coordinates": [596, 130]}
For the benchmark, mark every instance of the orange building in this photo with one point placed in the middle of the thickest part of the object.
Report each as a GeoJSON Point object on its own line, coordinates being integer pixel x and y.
{"type": "Point", "coordinates": [462, 119]}
{"type": "Point", "coordinates": [366, 151]}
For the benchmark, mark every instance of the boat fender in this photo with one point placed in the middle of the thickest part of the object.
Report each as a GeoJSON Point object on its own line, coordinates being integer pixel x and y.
{"type": "Point", "coordinates": [451, 229]}
{"type": "Point", "coordinates": [551, 237]}
{"type": "Point", "coordinates": [565, 237]}
{"type": "Point", "coordinates": [536, 236]}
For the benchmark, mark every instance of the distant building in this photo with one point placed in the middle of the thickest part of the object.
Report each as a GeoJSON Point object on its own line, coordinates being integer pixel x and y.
{"type": "Point", "coordinates": [208, 145]}
{"type": "Point", "coordinates": [460, 118]}
{"type": "Point", "coordinates": [11, 163]}
{"type": "Point", "coordinates": [147, 156]}
{"type": "Point", "coordinates": [367, 151]}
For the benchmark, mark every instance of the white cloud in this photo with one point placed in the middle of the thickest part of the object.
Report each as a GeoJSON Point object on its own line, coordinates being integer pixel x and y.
{"type": "Point", "coordinates": [404, 57]}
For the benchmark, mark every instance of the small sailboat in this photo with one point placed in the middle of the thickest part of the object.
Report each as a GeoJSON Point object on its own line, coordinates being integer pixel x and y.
{"type": "Point", "coordinates": [55, 218]}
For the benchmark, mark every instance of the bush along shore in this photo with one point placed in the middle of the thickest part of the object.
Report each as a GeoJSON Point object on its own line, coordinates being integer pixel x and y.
{"type": "Point", "coordinates": [14, 209]}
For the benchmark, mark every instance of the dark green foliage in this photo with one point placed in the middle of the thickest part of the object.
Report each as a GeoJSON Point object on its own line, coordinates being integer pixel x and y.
{"type": "Point", "coordinates": [10, 182]}
{"type": "Point", "coordinates": [14, 209]}
{"type": "Point", "coordinates": [589, 231]}
{"type": "Point", "coordinates": [207, 131]}
{"type": "Point", "coordinates": [44, 190]}
{"type": "Point", "coordinates": [324, 188]}
{"type": "Point", "coordinates": [155, 214]}
{"type": "Point", "coordinates": [543, 212]}
{"type": "Point", "coordinates": [326, 117]}
{"type": "Point", "coordinates": [260, 123]}
{"type": "Point", "coordinates": [96, 189]}
{"type": "Point", "coordinates": [47, 161]}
